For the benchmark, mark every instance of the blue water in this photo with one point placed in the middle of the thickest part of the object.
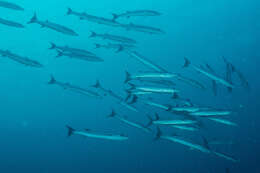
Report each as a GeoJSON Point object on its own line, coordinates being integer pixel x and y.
{"type": "Point", "coordinates": [34, 114]}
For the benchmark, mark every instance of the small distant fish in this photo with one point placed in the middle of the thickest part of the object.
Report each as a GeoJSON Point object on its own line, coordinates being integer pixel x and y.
{"type": "Point", "coordinates": [176, 139]}
{"type": "Point", "coordinates": [209, 75]}
{"type": "Point", "coordinates": [11, 23]}
{"type": "Point", "coordinates": [71, 50]}
{"type": "Point", "coordinates": [68, 86]}
{"type": "Point", "coordinates": [10, 5]}
{"type": "Point", "coordinates": [222, 121]}
{"type": "Point", "coordinates": [129, 14]}
{"type": "Point", "coordinates": [157, 105]}
{"type": "Point", "coordinates": [95, 19]}
{"type": "Point", "coordinates": [130, 77]}
{"type": "Point", "coordinates": [141, 28]}
{"type": "Point", "coordinates": [91, 58]}
{"type": "Point", "coordinates": [225, 156]}
{"type": "Point", "coordinates": [208, 113]}
{"type": "Point", "coordinates": [88, 133]}
{"type": "Point", "coordinates": [126, 121]}
{"type": "Point", "coordinates": [57, 27]}
{"type": "Point", "coordinates": [144, 60]}
{"type": "Point", "coordinates": [187, 109]}
{"type": "Point", "coordinates": [116, 38]}
{"type": "Point", "coordinates": [118, 47]}
{"type": "Point", "coordinates": [22, 60]}
{"type": "Point", "coordinates": [185, 127]}
{"type": "Point", "coordinates": [174, 122]}
{"type": "Point", "coordinates": [158, 90]}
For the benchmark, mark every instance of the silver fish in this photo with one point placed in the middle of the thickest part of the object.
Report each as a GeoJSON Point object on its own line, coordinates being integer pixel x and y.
{"type": "Point", "coordinates": [129, 14]}
{"type": "Point", "coordinates": [126, 121]}
{"type": "Point", "coordinates": [22, 60]}
{"type": "Point", "coordinates": [11, 23]}
{"type": "Point", "coordinates": [141, 28]}
{"type": "Point", "coordinates": [95, 19]}
{"type": "Point", "coordinates": [57, 27]}
{"type": "Point", "coordinates": [68, 86]}
{"type": "Point", "coordinates": [10, 5]}
{"type": "Point", "coordinates": [115, 38]}
{"type": "Point", "coordinates": [209, 75]}
{"type": "Point", "coordinates": [92, 58]}
{"type": "Point", "coordinates": [88, 133]}
{"type": "Point", "coordinates": [71, 50]}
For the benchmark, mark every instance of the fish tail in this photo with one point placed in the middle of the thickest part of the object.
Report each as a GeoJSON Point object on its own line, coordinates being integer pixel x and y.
{"type": "Point", "coordinates": [53, 46]}
{"type": "Point", "coordinates": [175, 95]}
{"type": "Point", "coordinates": [112, 114]}
{"type": "Point", "coordinates": [128, 77]}
{"type": "Point", "coordinates": [59, 54]}
{"type": "Point", "coordinates": [120, 48]}
{"type": "Point", "coordinates": [158, 133]}
{"type": "Point", "coordinates": [97, 46]}
{"type": "Point", "coordinates": [186, 63]}
{"type": "Point", "coordinates": [52, 80]}
{"type": "Point", "coordinates": [134, 99]}
{"type": "Point", "coordinates": [96, 85]}
{"type": "Point", "coordinates": [69, 11]}
{"type": "Point", "coordinates": [33, 19]}
{"type": "Point", "coordinates": [93, 34]}
{"type": "Point", "coordinates": [70, 131]}
{"type": "Point", "coordinates": [115, 16]}
{"type": "Point", "coordinates": [150, 122]}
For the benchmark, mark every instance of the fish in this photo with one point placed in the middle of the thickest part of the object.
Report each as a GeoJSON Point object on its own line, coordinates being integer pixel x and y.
{"type": "Point", "coordinates": [174, 122]}
{"type": "Point", "coordinates": [208, 113]}
{"type": "Point", "coordinates": [129, 14]}
{"type": "Point", "coordinates": [130, 77]}
{"type": "Point", "coordinates": [20, 59]}
{"type": "Point", "coordinates": [73, 88]}
{"type": "Point", "coordinates": [130, 123]}
{"type": "Point", "coordinates": [71, 50]}
{"type": "Point", "coordinates": [174, 138]}
{"type": "Point", "coordinates": [10, 5]}
{"type": "Point", "coordinates": [115, 38]}
{"type": "Point", "coordinates": [91, 58]}
{"type": "Point", "coordinates": [53, 26]}
{"type": "Point", "coordinates": [222, 121]}
{"type": "Point", "coordinates": [185, 127]}
{"type": "Point", "coordinates": [95, 19]}
{"type": "Point", "coordinates": [225, 156]}
{"type": "Point", "coordinates": [209, 75]}
{"type": "Point", "coordinates": [144, 60]}
{"type": "Point", "coordinates": [157, 105]}
{"type": "Point", "coordinates": [11, 23]}
{"type": "Point", "coordinates": [118, 47]}
{"type": "Point", "coordinates": [159, 90]}
{"type": "Point", "coordinates": [188, 109]}
{"type": "Point", "coordinates": [88, 133]}
{"type": "Point", "coordinates": [142, 28]}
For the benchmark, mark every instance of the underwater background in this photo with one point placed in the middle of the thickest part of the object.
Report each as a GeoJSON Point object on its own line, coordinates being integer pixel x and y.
{"type": "Point", "coordinates": [34, 114]}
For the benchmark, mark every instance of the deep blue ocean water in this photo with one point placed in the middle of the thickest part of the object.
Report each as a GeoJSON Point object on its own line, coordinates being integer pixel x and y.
{"type": "Point", "coordinates": [34, 114]}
